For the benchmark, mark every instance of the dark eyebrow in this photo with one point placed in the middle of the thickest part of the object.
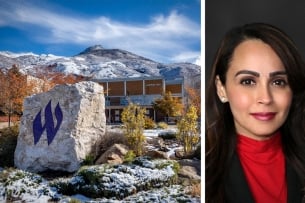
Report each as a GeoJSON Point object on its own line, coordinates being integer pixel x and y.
{"type": "Point", "coordinates": [273, 74]}
{"type": "Point", "coordinates": [256, 74]}
{"type": "Point", "coordinates": [248, 72]}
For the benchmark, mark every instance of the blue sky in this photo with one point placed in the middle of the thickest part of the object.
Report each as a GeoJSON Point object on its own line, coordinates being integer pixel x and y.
{"type": "Point", "coordinates": [162, 30]}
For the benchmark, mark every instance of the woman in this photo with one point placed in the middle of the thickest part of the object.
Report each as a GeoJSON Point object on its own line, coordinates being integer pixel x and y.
{"type": "Point", "coordinates": [255, 118]}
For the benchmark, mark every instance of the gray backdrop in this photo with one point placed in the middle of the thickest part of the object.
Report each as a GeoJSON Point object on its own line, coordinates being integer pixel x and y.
{"type": "Point", "coordinates": [221, 15]}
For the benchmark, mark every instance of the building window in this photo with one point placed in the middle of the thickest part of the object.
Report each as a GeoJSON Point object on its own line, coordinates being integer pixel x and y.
{"type": "Point", "coordinates": [153, 86]}
{"type": "Point", "coordinates": [134, 87]}
{"type": "Point", "coordinates": [174, 89]}
{"type": "Point", "coordinates": [116, 88]}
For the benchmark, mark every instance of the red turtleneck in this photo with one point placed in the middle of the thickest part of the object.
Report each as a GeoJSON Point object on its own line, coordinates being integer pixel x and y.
{"type": "Point", "coordinates": [263, 163]}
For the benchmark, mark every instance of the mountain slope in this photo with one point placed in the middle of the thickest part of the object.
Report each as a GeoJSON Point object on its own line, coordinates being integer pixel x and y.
{"type": "Point", "coordinates": [98, 63]}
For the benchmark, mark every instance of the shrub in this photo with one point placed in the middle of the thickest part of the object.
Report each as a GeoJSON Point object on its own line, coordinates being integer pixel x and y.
{"type": "Point", "coordinates": [162, 125]}
{"type": "Point", "coordinates": [175, 166]}
{"type": "Point", "coordinates": [90, 176]}
{"type": "Point", "coordinates": [149, 123]}
{"type": "Point", "coordinates": [197, 153]}
{"type": "Point", "coordinates": [133, 118]}
{"type": "Point", "coordinates": [89, 160]}
{"type": "Point", "coordinates": [74, 201]}
{"type": "Point", "coordinates": [167, 135]}
{"type": "Point", "coordinates": [188, 133]}
{"type": "Point", "coordinates": [8, 142]}
{"type": "Point", "coordinates": [129, 156]}
{"type": "Point", "coordinates": [110, 139]}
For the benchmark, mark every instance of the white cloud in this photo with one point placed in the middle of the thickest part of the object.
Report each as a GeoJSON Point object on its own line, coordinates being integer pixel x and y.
{"type": "Point", "coordinates": [188, 56]}
{"type": "Point", "coordinates": [198, 61]}
{"type": "Point", "coordinates": [166, 38]}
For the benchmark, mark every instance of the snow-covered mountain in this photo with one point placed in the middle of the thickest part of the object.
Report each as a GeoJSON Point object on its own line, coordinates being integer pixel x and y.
{"type": "Point", "coordinates": [99, 63]}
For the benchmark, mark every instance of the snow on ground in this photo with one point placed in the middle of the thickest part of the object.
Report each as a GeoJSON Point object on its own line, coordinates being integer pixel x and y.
{"type": "Point", "coordinates": [15, 55]}
{"type": "Point", "coordinates": [156, 132]}
{"type": "Point", "coordinates": [172, 194]}
{"type": "Point", "coordinates": [120, 181]}
{"type": "Point", "coordinates": [144, 181]}
{"type": "Point", "coordinates": [151, 133]}
{"type": "Point", "coordinates": [33, 188]}
{"type": "Point", "coordinates": [30, 187]}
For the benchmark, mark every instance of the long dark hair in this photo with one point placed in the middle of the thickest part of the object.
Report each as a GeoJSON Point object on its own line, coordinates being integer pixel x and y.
{"type": "Point", "coordinates": [220, 131]}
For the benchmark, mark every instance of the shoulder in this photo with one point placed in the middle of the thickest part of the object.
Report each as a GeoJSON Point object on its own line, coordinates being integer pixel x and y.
{"type": "Point", "coordinates": [236, 186]}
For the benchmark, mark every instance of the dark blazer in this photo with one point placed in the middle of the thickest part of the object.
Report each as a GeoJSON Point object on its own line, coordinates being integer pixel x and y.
{"type": "Point", "coordinates": [237, 189]}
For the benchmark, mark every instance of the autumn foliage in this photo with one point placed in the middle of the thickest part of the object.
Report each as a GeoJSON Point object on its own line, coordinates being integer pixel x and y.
{"type": "Point", "coordinates": [168, 105]}
{"type": "Point", "coordinates": [133, 118]}
{"type": "Point", "coordinates": [194, 98]}
{"type": "Point", "coordinates": [49, 78]}
{"type": "Point", "coordinates": [15, 86]}
{"type": "Point", "coordinates": [188, 132]}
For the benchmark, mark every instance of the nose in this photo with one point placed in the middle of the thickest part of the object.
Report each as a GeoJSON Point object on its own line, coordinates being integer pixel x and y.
{"type": "Point", "coordinates": [264, 95]}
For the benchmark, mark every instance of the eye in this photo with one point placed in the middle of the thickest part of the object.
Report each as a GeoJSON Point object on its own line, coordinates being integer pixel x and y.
{"type": "Point", "coordinates": [247, 81]}
{"type": "Point", "coordinates": [280, 82]}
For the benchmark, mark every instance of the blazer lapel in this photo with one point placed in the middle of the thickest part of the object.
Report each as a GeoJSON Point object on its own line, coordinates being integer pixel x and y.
{"type": "Point", "coordinates": [294, 186]}
{"type": "Point", "coordinates": [236, 186]}
{"type": "Point", "coordinates": [237, 189]}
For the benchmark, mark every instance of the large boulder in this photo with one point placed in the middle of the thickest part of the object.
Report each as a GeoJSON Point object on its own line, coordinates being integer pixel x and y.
{"type": "Point", "coordinates": [189, 172]}
{"type": "Point", "coordinates": [61, 127]}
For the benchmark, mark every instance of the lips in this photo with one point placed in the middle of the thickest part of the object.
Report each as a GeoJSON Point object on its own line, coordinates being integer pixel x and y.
{"type": "Point", "coordinates": [264, 116]}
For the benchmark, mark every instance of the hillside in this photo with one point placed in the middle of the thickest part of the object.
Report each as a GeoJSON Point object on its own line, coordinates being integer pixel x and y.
{"type": "Point", "coordinates": [98, 63]}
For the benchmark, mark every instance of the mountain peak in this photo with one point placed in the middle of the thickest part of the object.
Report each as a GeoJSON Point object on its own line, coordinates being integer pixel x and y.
{"type": "Point", "coordinates": [92, 48]}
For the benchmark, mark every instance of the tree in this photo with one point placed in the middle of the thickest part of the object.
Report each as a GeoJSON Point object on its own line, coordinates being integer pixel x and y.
{"type": "Point", "coordinates": [2, 89]}
{"type": "Point", "coordinates": [168, 105]}
{"type": "Point", "coordinates": [133, 118]}
{"type": "Point", "coordinates": [48, 78]}
{"type": "Point", "coordinates": [14, 89]}
{"type": "Point", "coordinates": [194, 98]}
{"type": "Point", "coordinates": [187, 130]}
{"type": "Point", "coordinates": [61, 78]}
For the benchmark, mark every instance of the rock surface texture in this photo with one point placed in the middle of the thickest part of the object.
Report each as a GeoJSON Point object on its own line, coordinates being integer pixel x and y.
{"type": "Point", "coordinates": [114, 155]}
{"type": "Point", "coordinates": [61, 127]}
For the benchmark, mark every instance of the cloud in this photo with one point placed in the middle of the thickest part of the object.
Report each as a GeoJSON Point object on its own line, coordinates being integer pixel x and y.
{"type": "Point", "coordinates": [188, 56]}
{"type": "Point", "coordinates": [198, 61]}
{"type": "Point", "coordinates": [166, 38]}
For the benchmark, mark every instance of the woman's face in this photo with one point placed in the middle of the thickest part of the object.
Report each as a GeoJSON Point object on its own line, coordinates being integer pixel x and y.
{"type": "Point", "coordinates": [257, 90]}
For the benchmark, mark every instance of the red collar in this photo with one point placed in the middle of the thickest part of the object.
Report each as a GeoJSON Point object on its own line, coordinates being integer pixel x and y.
{"type": "Point", "coordinates": [263, 163]}
{"type": "Point", "coordinates": [250, 145]}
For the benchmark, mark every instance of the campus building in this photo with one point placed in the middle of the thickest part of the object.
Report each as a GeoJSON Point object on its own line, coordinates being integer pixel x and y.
{"type": "Point", "coordinates": [141, 91]}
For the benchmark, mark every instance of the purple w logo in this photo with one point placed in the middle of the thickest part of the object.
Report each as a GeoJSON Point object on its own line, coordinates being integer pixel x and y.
{"type": "Point", "coordinates": [49, 123]}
